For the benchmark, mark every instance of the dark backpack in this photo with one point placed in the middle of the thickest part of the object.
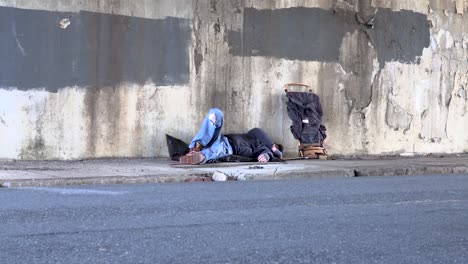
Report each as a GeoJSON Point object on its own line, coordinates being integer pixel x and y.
{"type": "Point", "coordinates": [305, 111]}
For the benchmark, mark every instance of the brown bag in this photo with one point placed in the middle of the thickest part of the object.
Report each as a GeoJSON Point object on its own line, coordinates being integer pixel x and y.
{"type": "Point", "coordinates": [311, 151]}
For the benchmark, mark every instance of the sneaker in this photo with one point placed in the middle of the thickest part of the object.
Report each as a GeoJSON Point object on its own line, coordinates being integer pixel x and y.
{"type": "Point", "coordinates": [192, 158]}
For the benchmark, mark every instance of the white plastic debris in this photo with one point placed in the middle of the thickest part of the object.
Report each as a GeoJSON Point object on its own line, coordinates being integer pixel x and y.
{"type": "Point", "coordinates": [64, 23]}
{"type": "Point", "coordinates": [219, 176]}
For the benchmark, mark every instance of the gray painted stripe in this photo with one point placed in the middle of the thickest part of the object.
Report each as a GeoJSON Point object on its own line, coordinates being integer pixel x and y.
{"type": "Point", "coordinates": [314, 34]}
{"type": "Point", "coordinates": [94, 50]}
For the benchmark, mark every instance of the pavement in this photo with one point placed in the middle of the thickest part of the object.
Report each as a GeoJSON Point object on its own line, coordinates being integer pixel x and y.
{"type": "Point", "coordinates": [16, 173]}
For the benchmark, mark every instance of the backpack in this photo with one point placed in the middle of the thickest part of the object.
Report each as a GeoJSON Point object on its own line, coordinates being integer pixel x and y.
{"type": "Point", "coordinates": [305, 111]}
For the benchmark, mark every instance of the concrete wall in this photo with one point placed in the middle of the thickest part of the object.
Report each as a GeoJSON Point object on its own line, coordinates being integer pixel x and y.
{"type": "Point", "coordinates": [86, 79]}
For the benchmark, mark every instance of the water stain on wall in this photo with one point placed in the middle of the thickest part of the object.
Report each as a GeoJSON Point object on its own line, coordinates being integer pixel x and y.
{"type": "Point", "coordinates": [314, 34]}
{"type": "Point", "coordinates": [37, 50]}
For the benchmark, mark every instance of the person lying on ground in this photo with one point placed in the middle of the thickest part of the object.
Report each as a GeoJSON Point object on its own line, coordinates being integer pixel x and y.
{"type": "Point", "coordinates": [210, 145]}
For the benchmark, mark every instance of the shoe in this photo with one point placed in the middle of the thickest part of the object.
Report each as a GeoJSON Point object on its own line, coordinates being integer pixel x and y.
{"type": "Point", "coordinates": [192, 158]}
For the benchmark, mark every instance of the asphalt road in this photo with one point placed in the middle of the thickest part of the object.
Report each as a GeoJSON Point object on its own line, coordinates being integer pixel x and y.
{"type": "Point", "coordinates": [422, 219]}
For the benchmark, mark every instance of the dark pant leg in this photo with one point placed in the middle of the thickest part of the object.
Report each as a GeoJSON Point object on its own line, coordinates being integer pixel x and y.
{"type": "Point", "coordinates": [257, 133]}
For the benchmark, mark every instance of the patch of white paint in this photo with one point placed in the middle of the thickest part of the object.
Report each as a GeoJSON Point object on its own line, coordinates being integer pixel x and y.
{"type": "Point", "coordinates": [440, 38]}
{"type": "Point", "coordinates": [428, 202]}
{"type": "Point", "coordinates": [420, 99]}
{"type": "Point", "coordinates": [433, 44]}
{"type": "Point", "coordinates": [18, 43]}
{"type": "Point", "coordinates": [341, 87]}
{"type": "Point", "coordinates": [341, 70]}
{"type": "Point", "coordinates": [460, 6]}
{"type": "Point", "coordinates": [408, 154]}
{"type": "Point", "coordinates": [444, 39]}
{"type": "Point", "coordinates": [66, 191]}
{"type": "Point", "coordinates": [448, 40]}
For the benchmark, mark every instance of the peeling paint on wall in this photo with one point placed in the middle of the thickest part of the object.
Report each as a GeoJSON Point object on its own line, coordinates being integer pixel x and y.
{"type": "Point", "coordinates": [460, 6]}
{"type": "Point", "coordinates": [397, 118]}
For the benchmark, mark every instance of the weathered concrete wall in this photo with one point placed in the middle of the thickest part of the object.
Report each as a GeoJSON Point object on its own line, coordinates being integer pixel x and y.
{"type": "Point", "coordinates": [84, 79]}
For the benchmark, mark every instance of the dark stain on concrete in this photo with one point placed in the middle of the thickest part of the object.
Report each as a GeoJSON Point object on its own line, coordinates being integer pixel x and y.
{"type": "Point", "coordinates": [137, 142]}
{"type": "Point", "coordinates": [35, 148]}
{"type": "Point", "coordinates": [96, 49]}
{"type": "Point", "coordinates": [90, 100]}
{"type": "Point", "coordinates": [113, 105]}
{"type": "Point", "coordinates": [314, 34]}
{"type": "Point", "coordinates": [197, 50]}
{"type": "Point", "coordinates": [104, 110]}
